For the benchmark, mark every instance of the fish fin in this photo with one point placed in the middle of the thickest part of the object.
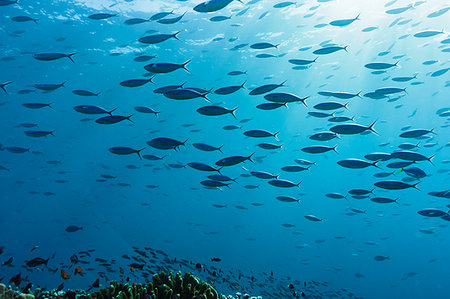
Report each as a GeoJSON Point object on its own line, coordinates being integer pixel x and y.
{"type": "Point", "coordinates": [243, 84]}
{"type": "Point", "coordinates": [138, 152]}
{"type": "Point", "coordinates": [129, 117]}
{"type": "Point", "coordinates": [220, 148]}
{"type": "Point", "coordinates": [232, 112]}
{"type": "Point", "coordinates": [70, 56]}
{"type": "Point", "coordinates": [304, 101]}
{"type": "Point", "coordinates": [250, 157]}
{"type": "Point", "coordinates": [276, 135]}
{"type": "Point", "coordinates": [110, 112]}
{"type": "Point", "coordinates": [372, 129]}
{"type": "Point", "coordinates": [184, 66]}
{"type": "Point", "coordinates": [175, 35]}
{"type": "Point", "coordinates": [335, 148]}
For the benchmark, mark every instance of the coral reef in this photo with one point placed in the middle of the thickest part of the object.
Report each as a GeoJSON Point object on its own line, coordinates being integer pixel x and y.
{"type": "Point", "coordinates": [163, 286]}
{"type": "Point", "coordinates": [6, 293]}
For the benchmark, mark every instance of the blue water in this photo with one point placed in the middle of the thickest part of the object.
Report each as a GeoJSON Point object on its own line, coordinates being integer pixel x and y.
{"type": "Point", "coordinates": [58, 182]}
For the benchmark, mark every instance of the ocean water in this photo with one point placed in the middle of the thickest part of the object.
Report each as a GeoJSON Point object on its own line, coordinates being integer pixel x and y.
{"type": "Point", "coordinates": [69, 191]}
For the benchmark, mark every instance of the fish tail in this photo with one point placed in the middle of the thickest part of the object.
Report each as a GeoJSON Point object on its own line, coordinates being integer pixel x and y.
{"type": "Point", "coordinates": [304, 101]}
{"type": "Point", "coordinates": [243, 84]}
{"type": "Point", "coordinates": [250, 157]}
{"type": "Point", "coordinates": [110, 112]}
{"type": "Point", "coordinates": [283, 83]}
{"type": "Point", "coordinates": [70, 56]}
{"type": "Point", "coordinates": [298, 185]}
{"type": "Point", "coordinates": [375, 164]}
{"type": "Point", "coordinates": [429, 159]}
{"type": "Point", "coordinates": [138, 152]}
{"type": "Point", "coordinates": [232, 112]}
{"type": "Point", "coordinates": [415, 186]}
{"type": "Point", "coordinates": [151, 79]}
{"type": "Point", "coordinates": [184, 65]}
{"type": "Point", "coordinates": [335, 148]}
{"type": "Point", "coordinates": [175, 35]}
{"type": "Point", "coordinates": [276, 135]}
{"type": "Point", "coordinates": [129, 117]}
{"type": "Point", "coordinates": [372, 129]}
{"type": "Point", "coordinates": [220, 148]}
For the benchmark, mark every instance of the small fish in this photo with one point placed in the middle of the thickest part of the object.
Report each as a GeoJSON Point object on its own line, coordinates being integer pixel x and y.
{"type": "Point", "coordinates": [64, 275]}
{"type": "Point", "coordinates": [73, 228]}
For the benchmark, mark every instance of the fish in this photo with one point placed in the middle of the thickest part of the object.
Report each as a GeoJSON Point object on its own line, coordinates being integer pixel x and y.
{"type": "Point", "coordinates": [124, 150]}
{"type": "Point", "coordinates": [113, 119]}
{"type": "Point", "coordinates": [233, 160]}
{"type": "Point", "coordinates": [265, 88]}
{"type": "Point", "coordinates": [53, 56]}
{"type": "Point", "coordinates": [395, 185]}
{"type": "Point", "coordinates": [329, 50]}
{"type": "Point", "coordinates": [356, 163]}
{"type": "Point", "coordinates": [380, 258]}
{"type": "Point", "coordinates": [147, 110]}
{"type": "Point", "coordinates": [136, 82]}
{"type": "Point", "coordinates": [428, 33]}
{"type": "Point", "coordinates": [216, 111]}
{"type": "Point", "coordinates": [211, 6]}
{"type": "Point", "coordinates": [165, 67]}
{"type": "Point", "coordinates": [84, 93]}
{"type": "Point", "coordinates": [91, 109]}
{"type": "Point", "coordinates": [284, 183]}
{"type": "Point", "coordinates": [64, 275]}
{"type": "Point", "coordinates": [313, 218]}
{"type": "Point", "coordinates": [380, 65]}
{"type": "Point", "coordinates": [351, 129]}
{"type": "Point", "coordinates": [207, 147]}
{"type": "Point", "coordinates": [73, 228]}
{"type": "Point", "coordinates": [101, 16]}
{"type": "Point", "coordinates": [158, 38]}
{"type": "Point", "coordinates": [37, 261]}
{"type": "Point", "coordinates": [229, 89]}
{"type": "Point", "coordinates": [318, 149]}
{"type": "Point", "coordinates": [343, 22]}
{"type": "Point", "coordinates": [284, 98]}
{"type": "Point", "coordinates": [22, 19]}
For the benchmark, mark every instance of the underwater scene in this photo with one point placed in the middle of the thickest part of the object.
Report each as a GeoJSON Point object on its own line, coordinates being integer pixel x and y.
{"type": "Point", "coordinates": [224, 149]}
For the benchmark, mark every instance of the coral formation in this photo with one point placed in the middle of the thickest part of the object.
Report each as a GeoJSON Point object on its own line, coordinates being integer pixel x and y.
{"type": "Point", "coordinates": [163, 286]}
